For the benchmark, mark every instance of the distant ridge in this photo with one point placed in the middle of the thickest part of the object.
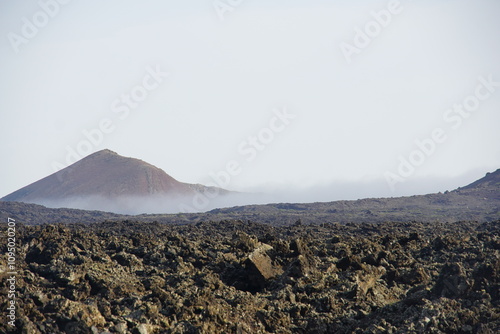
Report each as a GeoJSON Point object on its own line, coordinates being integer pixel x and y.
{"type": "Point", "coordinates": [489, 180]}
{"type": "Point", "coordinates": [105, 175]}
{"type": "Point", "coordinates": [478, 201]}
{"type": "Point", "coordinates": [486, 187]}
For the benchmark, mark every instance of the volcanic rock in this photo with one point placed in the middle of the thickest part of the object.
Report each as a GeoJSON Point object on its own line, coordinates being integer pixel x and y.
{"type": "Point", "coordinates": [136, 277]}
{"type": "Point", "coordinates": [261, 266]}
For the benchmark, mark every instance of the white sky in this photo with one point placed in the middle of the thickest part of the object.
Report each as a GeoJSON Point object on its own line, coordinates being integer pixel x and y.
{"type": "Point", "coordinates": [227, 76]}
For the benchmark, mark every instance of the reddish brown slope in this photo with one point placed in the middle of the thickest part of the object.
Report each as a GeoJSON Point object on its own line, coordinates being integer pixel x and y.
{"type": "Point", "coordinates": [104, 173]}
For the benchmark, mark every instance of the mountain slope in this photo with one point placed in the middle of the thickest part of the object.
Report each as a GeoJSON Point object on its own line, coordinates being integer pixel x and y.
{"type": "Point", "coordinates": [101, 179]}
{"type": "Point", "coordinates": [486, 187]}
{"type": "Point", "coordinates": [103, 173]}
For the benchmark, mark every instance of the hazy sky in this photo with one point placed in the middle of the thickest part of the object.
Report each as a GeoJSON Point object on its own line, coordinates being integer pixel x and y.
{"type": "Point", "coordinates": [355, 85]}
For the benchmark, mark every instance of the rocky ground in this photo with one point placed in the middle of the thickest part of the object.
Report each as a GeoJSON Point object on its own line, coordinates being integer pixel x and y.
{"type": "Point", "coordinates": [243, 277]}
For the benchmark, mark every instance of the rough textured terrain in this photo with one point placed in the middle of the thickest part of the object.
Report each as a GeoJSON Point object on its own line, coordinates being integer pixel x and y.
{"type": "Point", "coordinates": [243, 277]}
